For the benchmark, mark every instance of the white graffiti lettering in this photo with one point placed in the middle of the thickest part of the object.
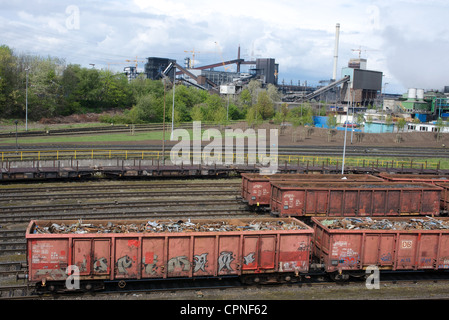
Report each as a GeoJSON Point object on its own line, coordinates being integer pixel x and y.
{"type": "Point", "coordinates": [249, 258]}
{"type": "Point", "coordinates": [200, 262]}
{"type": "Point", "coordinates": [178, 262]}
{"type": "Point", "coordinates": [224, 261]}
{"type": "Point", "coordinates": [123, 264]}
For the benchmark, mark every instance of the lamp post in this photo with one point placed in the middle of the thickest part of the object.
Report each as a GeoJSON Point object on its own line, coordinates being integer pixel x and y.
{"type": "Point", "coordinates": [173, 108]}
{"type": "Point", "coordinates": [346, 129]}
{"type": "Point", "coordinates": [17, 145]}
{"type": "Point", "coordinates": [26, 100]}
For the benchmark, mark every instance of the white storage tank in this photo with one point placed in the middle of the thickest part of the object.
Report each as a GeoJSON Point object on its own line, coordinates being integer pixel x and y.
{"type": "Point", "coordinates": [411, 93]}
{"type": "Point", "coordinates": [420, 94]}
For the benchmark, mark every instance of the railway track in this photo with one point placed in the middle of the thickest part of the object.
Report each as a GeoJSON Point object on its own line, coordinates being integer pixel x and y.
{"type": "Point", "coordinates": [91, 187]}
{"type": "Point", "coordinates": [95, 130]}
{"type": "Point", "coordinates": [114, 206]}
{"type": "Point", "coordinates": [84, 195]}
{"type": "Point", "coordinates": [135, 214]}
{"type": "Point", "coordinates": [332, 151]}
{"type": "Point", "coordinates": [389, 282]}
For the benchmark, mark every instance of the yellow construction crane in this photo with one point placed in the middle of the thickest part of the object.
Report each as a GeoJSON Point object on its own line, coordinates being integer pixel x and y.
{"type": "Point", "coordinates": [136, 60]}
{"type": "Point", "coordinates": [192, 63]}
{"type": "Point", "coordinates": [109, 63]}
{"type": "Point", "coordinates": [219, 51]}
{"type": "Point", "coordinates": [360, 51]}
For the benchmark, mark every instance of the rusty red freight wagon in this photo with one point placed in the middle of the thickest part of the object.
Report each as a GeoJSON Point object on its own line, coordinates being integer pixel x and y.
{"type": "Point", "coordinates": [256, 188]}
{"type": "Point", "coordinates": [135, 249]}
{"type": "Point", "coordinates": [354, 199]}
{"type": "Point", "coordinates": [441, 181]}
{"type": "Point", "coordinates": [353, 243]}
{"type": "Point", "coordinates": [427, 178]}
{"type": "Point", "coordinates": [444, 203]}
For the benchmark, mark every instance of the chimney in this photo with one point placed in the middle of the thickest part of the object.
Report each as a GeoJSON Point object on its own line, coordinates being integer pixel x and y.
{"type": "Point", "coordinates": [337, 33]}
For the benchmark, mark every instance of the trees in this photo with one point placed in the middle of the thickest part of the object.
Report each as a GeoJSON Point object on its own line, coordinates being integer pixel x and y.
{"type": "Point", "coordinates": [265, 105]}
{"type": "Point", "coordinates": [9, 83]}
{"type": "Point", "coordinates": [56, 88]}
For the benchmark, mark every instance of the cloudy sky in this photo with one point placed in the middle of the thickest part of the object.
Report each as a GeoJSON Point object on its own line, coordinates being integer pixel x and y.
{"type": "Point", "coordinates": [408, 40]}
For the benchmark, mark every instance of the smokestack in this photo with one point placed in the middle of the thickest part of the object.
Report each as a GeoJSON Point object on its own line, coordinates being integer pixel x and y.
{"type": "Point", "coordinates": [337, 34]}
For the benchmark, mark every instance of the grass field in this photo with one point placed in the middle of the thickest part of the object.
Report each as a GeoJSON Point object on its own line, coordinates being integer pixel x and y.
{"type": "Point", "coordinates": [92, 138]}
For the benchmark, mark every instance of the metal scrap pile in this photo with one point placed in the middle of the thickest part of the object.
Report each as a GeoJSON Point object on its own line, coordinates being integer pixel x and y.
{"type": "Point", "coordinates": [166, 226]}
{"type": "Point", "coordinates": [426, 223]}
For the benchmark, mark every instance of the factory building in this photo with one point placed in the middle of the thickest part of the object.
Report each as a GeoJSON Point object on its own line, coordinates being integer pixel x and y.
{"type": "Point", "coordinates": [415, 101]}
{"type": "Point", "coordinates": [364, 85]}
{"type": "Point", "coordinates": [205, 77]}
{"type": "Point", "coordinates": [155, 66]}
{"type": "Point", "coordinates": [267, 71]}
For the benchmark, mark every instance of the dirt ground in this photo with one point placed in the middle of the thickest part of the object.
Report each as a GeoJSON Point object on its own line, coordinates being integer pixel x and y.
{"type": "Point", "coordinates": [301, 136]}
{"type": "Point", "coordinates": [320, 137]}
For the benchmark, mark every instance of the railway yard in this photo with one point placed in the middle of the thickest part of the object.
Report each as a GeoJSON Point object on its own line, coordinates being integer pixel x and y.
{"type": "Point", "coordinates": [202, 188]}
{"type": "Point", "coordinates": [88, 192]}
{"type": "Point", "coordinates": [174, 200]}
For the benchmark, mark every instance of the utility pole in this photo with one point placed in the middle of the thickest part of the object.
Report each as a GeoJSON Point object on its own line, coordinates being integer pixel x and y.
{"type": "Point", "coordinates": [173, 108]}
{"type": "Point", "coordinates": [17, 145]}
{"type": "Point", "coordinates": [346, 130]}
{"type": "Point", "coordinates": [26, 100]}
{"type": "Point", "coordinates": [163, 129]}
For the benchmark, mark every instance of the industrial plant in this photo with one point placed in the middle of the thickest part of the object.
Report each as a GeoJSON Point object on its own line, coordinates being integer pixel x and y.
{"type": "Point", "coordinates": [357, 89]}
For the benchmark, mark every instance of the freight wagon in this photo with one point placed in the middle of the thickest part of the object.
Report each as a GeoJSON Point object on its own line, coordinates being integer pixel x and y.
{"type": "Point", "coordinates": [354, 199]}
{"type": "Point", "coordinates": [257, 250]}
{"type": "Point", "coordinates": [350, 245]}
{"type": "Point", "coordinates": [441, 181]}
{"type": "Point", "coordinates": [256, 188]}
{"type": "Point", "coordinates": [427, 178]}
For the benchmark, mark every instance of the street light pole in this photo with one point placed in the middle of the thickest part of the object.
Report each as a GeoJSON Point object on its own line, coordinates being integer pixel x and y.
{"type": "Point", "coordinates": [346, 129]}
{"type": "Point", "coordinates": [173, 108]}
{"type": "Point", "coordinates": [26, 100]}
{"type": "Point", "coordinates": [17, 145]}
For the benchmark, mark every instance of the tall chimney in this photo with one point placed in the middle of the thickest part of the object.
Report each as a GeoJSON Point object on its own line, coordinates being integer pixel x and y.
{"type": "Point", "coordinates": [337, 33]}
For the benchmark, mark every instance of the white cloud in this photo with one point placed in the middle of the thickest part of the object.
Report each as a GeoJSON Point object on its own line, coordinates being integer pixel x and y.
{"type": "Point", "coordinates": [298, 34]}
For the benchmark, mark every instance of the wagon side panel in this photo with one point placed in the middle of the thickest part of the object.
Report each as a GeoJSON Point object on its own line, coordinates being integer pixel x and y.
{"type": "Point", "coordinates": [153, 257]}
{"type": "Point", "coordinates": [48, 259]}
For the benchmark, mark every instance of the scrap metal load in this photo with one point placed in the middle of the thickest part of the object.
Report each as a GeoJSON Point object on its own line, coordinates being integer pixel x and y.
{"type": "Point", "coordinates": [427, 223]}
{"type": "Point", "coordinates": [354, 244]}
{"type": "Point", "coordinates": [164, 226]}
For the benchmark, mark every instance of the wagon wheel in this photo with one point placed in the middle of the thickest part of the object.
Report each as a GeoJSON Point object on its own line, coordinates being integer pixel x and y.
{"type": "Point", "coordinates": [122, 284]}
{"type": "Point", "coordinates": [337, 277]}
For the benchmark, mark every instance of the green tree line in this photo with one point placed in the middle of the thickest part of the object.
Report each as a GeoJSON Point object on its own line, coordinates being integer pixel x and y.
{"type": "Point", "coordinates": [56, 88]}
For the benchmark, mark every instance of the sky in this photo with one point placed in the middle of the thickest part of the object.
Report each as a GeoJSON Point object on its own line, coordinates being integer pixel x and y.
{"type": "Point", "coordinates": [407, 40]}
